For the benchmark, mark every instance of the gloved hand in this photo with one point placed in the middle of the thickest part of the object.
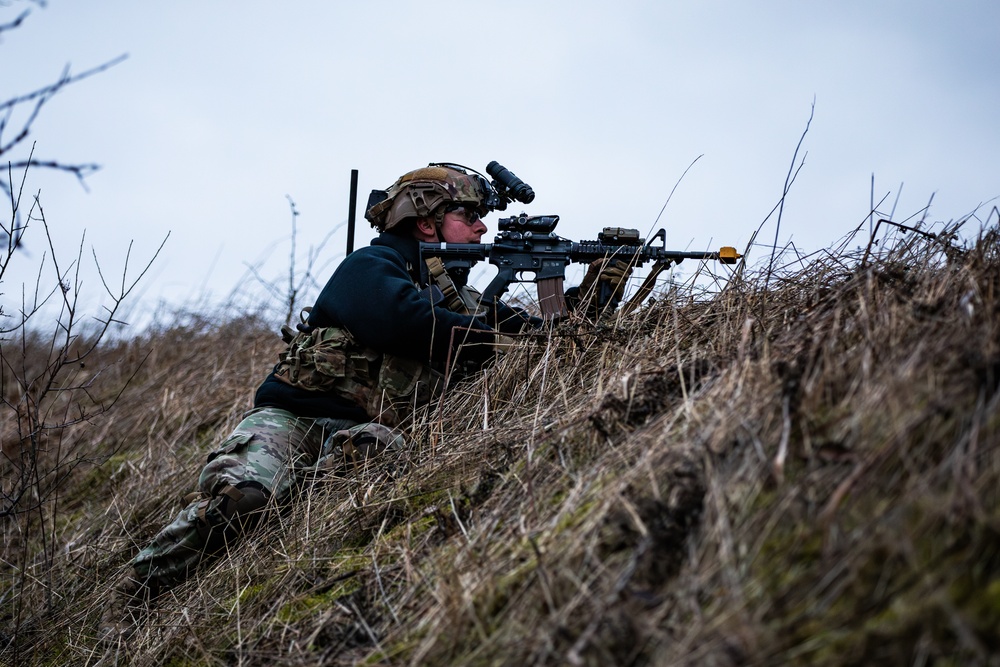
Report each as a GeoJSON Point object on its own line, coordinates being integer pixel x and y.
{"type": "Point", "coordinates": [603, 287]}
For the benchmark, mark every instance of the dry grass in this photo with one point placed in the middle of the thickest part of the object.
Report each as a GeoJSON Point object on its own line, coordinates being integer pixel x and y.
{"type": "Point", "coordinates": [800, 469]}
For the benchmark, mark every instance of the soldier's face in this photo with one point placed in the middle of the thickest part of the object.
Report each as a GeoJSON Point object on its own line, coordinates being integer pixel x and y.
{"type": "Point", "coordinates": [462, 226]}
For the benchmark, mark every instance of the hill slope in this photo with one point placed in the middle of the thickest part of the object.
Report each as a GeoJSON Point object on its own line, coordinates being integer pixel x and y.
{"type": "Point", "coordinates": [801, 468]}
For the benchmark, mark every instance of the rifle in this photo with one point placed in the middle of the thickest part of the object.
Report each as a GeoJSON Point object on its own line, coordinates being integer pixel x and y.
{"type": "Point", "coordinates": [529, 245]}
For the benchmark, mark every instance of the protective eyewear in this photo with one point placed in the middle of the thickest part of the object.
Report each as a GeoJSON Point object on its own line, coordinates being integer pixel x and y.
{"type": "Point", "coordinates": [468, 214]}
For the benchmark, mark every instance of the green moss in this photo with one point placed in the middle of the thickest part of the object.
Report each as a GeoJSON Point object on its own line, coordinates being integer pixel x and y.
{"type": "Point", "coordinates": [303, 607]}
{"type": "Point", "coordinates": [350, 561]}
{"type": "Point", "coordinates": [990, 597]}
{"type": "Point", "coordinates": [572, 520]}
{"type": "Point", "coordinates": [403, 533]}
{"type": "Point", "coordinates": [99, 476]}
{"type": "Point", "coordinates": [787, 555]}
{"type": "Point", "coordinates": [252, 593]}
{"type": "Point", "coordinates": [490, 604]}
{"type": "Point", "coordinates": [900, 576]}
{"type": "Point", "coordinates": [982, 609]}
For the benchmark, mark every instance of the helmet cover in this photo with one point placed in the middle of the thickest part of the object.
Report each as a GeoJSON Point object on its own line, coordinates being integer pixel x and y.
{"type": "Point", "coordinates": [419, 193]}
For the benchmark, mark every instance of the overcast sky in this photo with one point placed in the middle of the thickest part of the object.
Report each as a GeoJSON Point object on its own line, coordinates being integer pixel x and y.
{"type": "Point", "coordinates": [224, 110]}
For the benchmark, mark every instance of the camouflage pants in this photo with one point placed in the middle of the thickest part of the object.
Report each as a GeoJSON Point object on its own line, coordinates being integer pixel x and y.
{"type": "Point", "coordinates": [254, 469]}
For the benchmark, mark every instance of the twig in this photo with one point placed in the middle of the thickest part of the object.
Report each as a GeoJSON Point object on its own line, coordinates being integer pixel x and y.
{"type": "Point", "coordinates": [793, 172]}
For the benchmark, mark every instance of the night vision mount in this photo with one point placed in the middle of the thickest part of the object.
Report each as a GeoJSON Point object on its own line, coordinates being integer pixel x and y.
{"type": "Point", "coordinates": [505, 188]}
{"type": "Point", "coordinates": [508, 187]}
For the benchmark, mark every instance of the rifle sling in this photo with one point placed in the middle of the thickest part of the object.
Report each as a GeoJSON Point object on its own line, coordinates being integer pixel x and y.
{"type": "Point", "coordinates": [453, 298]}
{"type": "Point", "coordinates": [440, 277]}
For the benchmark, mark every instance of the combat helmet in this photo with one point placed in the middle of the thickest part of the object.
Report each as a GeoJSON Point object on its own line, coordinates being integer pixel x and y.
{"type": "Point", "coordinates": [420, 193]}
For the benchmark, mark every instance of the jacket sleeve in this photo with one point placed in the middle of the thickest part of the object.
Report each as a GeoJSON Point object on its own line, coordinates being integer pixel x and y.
{"type": "Point", "coordinates": [512, 320]}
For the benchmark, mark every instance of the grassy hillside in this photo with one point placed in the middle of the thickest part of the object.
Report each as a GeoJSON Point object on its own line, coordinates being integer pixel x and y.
{"type": "Point", "coordinates": [798, 468]}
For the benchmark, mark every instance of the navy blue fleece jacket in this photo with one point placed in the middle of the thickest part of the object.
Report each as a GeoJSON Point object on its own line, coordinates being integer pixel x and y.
{"type": "Point", "coordinates": [374, 295]}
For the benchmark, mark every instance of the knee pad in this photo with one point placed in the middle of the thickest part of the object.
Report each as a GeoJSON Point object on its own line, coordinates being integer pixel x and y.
{"type": "Point", "coordinates": [248, 509]}
{"type": "Point", "coordinates": [230, 511]}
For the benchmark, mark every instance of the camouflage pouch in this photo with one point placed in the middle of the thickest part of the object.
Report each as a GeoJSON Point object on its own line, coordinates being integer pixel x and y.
{"type": "Point", "coordinates": [403, 384]}
{"type": "Point", "coordinates": [327, 359]}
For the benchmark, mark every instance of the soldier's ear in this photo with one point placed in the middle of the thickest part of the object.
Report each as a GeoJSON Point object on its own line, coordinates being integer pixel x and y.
{"type": "Point", "coordinates": [426, 228]}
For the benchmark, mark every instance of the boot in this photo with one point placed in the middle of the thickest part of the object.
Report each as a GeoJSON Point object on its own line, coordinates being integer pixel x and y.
{"type": "Point", "coordinates": [131, 597]}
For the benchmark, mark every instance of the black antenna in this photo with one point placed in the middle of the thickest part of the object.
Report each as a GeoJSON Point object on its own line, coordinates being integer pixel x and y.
{"type": "Point", "coordinates": [352, 209]}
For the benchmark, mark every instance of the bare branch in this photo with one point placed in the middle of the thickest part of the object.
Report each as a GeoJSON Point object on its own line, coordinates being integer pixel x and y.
{"type": "Point", "coordinates": [15, 23]}
{"type": "Point", "coordinates": [46, 92]}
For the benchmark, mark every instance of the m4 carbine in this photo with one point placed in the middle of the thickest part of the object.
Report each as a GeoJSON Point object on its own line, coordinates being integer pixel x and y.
{"type": "Point", "coordinates": [527, 249]}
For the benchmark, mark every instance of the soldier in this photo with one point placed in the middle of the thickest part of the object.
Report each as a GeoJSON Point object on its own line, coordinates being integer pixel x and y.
{"type": "Point", "coordinates": [374, 346]}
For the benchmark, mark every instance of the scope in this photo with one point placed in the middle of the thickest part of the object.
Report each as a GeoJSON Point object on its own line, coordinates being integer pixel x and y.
{"type": "Point", "coordinates": [536, 224]}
